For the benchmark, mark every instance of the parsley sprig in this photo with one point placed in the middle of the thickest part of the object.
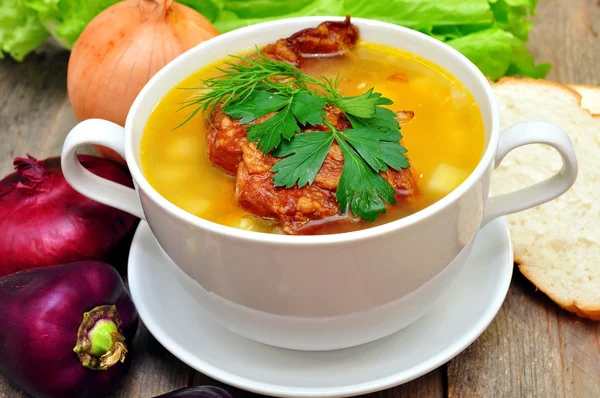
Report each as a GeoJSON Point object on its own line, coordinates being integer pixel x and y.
{"type": "Point", "coordinates": [254, 87]}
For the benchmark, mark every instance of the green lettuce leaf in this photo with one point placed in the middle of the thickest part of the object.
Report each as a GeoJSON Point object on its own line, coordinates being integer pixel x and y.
{"type": "Point", "coordinates": [66, 19]}
{"type": "Point", "coordinates": [445, 33]}
{"type": "Point", "coordinates": [498, 53]}
{"type": "Point", "coordinates": [489, 49]}
{"type": "Point", "coordinates": [235, 14]}
{"type": "Point", "coordinates": [210, 9]}
{"type": "Point", "coordinates": [422, 15]}
{"type": "Point", "coordinates": [491, 33]}
{"type": "Point", "coordinates": [522, 62]}
{"type": "Point", "coordinates": [267, 8]}
{"type": "Point", "coordinates": [513, 16]}
{"type": "Point", "coordinates": [20, 29]}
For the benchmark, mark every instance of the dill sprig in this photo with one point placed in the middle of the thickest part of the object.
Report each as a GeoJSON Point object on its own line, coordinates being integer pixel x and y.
{"type": "Point", "coordinates": [243, 78]}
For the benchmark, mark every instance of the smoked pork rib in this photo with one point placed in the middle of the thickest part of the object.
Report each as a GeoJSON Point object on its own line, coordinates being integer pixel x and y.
{"type": "Point", "coordinates": [225, 138]}
{"type": "Point", "coordinates": [328, 39]}
{"type": "Point", "coordinates": [293, 207]}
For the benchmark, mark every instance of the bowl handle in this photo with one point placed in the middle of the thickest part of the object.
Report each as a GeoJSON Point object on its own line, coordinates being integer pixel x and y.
{"type": "Point", "coordinates": [107, 134]}
{"type": "Point", "coordinates": [525, 133]}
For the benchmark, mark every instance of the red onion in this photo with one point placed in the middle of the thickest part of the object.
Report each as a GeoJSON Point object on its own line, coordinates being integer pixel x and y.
{"type": "Point", "coordinates": [44, 222]}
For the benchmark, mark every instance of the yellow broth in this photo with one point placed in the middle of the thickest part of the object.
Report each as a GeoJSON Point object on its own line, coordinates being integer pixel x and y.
{"type": "Point", "coordinates": [445, 139]}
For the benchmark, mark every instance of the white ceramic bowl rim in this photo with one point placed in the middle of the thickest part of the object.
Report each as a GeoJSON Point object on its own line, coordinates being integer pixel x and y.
{"type": "Point", "coordinates": [277, 239]}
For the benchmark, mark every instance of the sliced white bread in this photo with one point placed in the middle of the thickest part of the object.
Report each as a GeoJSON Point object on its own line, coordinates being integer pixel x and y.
{"type": "Point", "coordinates": [557, 244]}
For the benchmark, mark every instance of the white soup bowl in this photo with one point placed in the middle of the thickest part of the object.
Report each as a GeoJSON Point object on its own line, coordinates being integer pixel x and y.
{"type": "Point", "coordinates": [331, 291]}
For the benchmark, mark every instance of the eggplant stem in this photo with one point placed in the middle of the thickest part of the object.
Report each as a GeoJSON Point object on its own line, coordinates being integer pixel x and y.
{"type": "Point", "coordinates": [115, 354]}
{"type": "Point", "coordinates": [100, 341]}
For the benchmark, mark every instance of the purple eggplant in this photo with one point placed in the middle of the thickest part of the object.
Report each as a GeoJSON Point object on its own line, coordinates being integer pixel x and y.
{"type": "Point", "coordinates": [66, 330]}
{"type": "Point", "coordinates": [197, 392]}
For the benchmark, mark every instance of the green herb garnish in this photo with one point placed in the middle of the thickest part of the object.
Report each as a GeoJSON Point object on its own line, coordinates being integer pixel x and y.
{"type": "Point", "coordinates": [253, 88]}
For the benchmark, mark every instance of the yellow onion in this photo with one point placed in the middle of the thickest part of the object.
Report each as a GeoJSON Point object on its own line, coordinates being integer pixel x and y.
{"type": "Point", "coordinates": [122, 48]}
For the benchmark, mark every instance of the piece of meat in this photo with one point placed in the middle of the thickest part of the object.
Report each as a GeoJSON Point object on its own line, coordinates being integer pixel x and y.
{"type": "Point", "coordinates": [329, 175]}
{"type": "Point", "coordinates": [328, 39]}
{"type": "Point", "coordinates": [404, 182]}
{"type": "Point", "coordinates": [225, 139]}
{"type": "Point", "coordinates": [294, 207]}
{"type": "Point", "coordinates": [331, 38]}
{"type": "Point", "coordinates": [226, 136]}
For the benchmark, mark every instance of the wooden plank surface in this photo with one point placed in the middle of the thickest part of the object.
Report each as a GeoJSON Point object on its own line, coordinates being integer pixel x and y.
{"type": "Point", "coordinates": [35, 117]}
{"type": "Point", "coordinates": [154, 370]}
{"type": "Point", "coordinates": [566, 34]}
{"type": "Point", "coordinates": [531, 349]}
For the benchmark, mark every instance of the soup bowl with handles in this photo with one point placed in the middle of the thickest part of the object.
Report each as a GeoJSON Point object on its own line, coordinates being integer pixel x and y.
{"type": "Point", "coordinates": [329, 291]}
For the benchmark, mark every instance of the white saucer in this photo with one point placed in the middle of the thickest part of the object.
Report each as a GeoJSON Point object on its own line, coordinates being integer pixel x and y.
{"type": "Point", "coordinates": [193, 336]}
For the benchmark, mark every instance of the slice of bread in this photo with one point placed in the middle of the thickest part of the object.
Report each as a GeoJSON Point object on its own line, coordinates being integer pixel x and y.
{"type": "Point", "coordinates": [557, 244]}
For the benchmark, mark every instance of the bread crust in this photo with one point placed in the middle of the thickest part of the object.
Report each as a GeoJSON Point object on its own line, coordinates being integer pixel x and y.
{"type": "Point", "coordinates": [582, 310]}
{"type": "Point", "coordinates": [571, 89]}
{"type": "Point", "coordinates": [589, 312]}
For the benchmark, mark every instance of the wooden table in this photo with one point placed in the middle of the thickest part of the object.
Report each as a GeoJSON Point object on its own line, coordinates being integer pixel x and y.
{"type": "Point", "coordinates": [531, 349]}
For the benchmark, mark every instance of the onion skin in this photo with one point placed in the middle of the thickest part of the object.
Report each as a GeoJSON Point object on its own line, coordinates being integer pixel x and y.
{"type": "Point", "coordinates": [41, 311]}
{"type": "Point", "coordinates": [45, 222]}
{"type": "Point", "coordinates": [121, 49]}
{"type": "Point", "coordinates": [197, 392]}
